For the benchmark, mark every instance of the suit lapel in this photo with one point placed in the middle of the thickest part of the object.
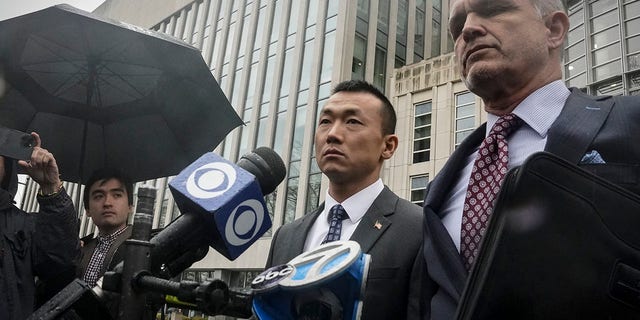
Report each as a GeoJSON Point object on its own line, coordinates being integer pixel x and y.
{"type": "Point", "coordinates": [445, 265]}
{"type": "Point", "coordinates": [446, 178]}
{"type": "Point", "coordinates": [577, 125]}
{"type": "Point", "coordinates": [375, 222]}
{"type": "Point", "coordinates": [299, 238]}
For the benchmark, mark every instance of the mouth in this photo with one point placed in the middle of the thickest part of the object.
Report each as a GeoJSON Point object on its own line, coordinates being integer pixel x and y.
{"type": "Point", "coordinates": [332, 153]}
{"type": "Point", "coordinates": [473, 50]}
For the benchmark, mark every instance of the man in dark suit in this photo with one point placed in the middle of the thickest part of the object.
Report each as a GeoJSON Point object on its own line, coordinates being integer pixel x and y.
{"type": "Point", "coordinates": [355, 134]}
{"type": "Point", "coordinates": [509, 53]}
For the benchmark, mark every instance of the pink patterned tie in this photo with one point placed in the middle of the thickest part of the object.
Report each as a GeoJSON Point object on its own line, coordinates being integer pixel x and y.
{"type": "Point", "coordinates": [486, 178]}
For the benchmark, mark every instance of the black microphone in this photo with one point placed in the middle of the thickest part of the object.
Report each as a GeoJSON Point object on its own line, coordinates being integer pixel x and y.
{"type": "Point", "coordinates": [223, 207]}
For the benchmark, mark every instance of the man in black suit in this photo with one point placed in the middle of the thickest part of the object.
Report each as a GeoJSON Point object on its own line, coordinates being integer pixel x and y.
{"type": "Point", "coordinates": [509, 53]}
{"type": "Point", "coordinates": [355, 134]}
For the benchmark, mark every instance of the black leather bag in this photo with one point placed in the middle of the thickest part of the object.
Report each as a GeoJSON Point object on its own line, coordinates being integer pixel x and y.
{"type": "Point", "coordinates": [561, 243]}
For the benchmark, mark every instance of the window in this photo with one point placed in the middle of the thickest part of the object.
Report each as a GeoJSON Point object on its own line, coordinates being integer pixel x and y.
{"type": "Point", "coordinates": [419, 188]}
{"type": "Point", "coordinates": [422, 132]}
{"type": "Point", "coordinates": [242, 279]}
{"type": "Point", "coordinates": [465, 116]}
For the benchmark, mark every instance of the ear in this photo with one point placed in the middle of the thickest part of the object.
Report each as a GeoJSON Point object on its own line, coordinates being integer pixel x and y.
{"type": "Point", "coordinates": [390, 146]}
{"type": "Point", "coordinates": [558, 24]}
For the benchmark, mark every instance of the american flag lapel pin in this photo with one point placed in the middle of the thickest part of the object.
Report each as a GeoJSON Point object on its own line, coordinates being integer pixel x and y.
{"type": "Point", "coordinates": [377, 225]}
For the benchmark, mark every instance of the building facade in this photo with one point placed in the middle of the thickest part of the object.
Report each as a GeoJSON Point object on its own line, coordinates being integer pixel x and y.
{"type": "Point", "coordinates": [277, 60]}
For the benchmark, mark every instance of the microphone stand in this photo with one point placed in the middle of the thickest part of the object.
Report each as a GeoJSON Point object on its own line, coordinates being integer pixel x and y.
{"type": "Point", "coordinates": [137, 257]}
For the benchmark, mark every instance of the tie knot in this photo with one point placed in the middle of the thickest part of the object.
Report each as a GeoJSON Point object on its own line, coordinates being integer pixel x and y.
{"type": "Point", "coordinates": [506, 125]}
{"type": "Point", "coordinates": [337, 213]}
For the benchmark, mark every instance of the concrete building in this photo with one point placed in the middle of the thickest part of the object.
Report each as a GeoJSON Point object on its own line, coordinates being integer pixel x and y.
{"type": "Point", "coordinates": [277, 61]}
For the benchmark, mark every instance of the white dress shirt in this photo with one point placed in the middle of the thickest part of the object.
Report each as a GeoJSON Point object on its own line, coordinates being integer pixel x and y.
{"type": "Point", "coordinates": [538, 111]}
{"type": "Point", "coordinates": [355, 206]}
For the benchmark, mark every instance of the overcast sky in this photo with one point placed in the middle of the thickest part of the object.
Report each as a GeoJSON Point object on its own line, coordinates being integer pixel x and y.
{"type": "Point", "coordinates": [13, 8]}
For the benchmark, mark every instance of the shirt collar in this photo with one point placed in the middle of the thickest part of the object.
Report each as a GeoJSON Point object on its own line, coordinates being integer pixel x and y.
{"type": "Point", "coordinates": [358, 204]}
{"type": "Point", "coordinates": [540, 109]}
{"type": "Point", "coordinates": [111, 237]}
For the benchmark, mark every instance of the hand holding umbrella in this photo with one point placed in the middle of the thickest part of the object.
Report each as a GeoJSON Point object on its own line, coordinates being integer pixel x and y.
{"type": "Point", "coordinates": [42, 168]}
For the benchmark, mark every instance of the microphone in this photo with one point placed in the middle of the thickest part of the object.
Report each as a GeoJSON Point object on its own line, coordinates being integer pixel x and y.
{"type": "Point", "coordinates": [325, 283]}
{"type": "Point", "coordinates": [223, 207]}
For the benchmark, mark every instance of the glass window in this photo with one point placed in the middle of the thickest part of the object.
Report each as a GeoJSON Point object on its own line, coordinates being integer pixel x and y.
{"type": "Point", "coordinates": [359, 58]}
{"type": "Point", "coordinates": [606, 54]}
{"type": "Point", "coordinates": [287, 70]}
{"type": "Point", "coordinates": [632, 9]}
{"type": "Point", "coordinates": [634, 83]}
{"type": "Point", "coordinates": [419, 32]}
{"type": "Point", "coordinates": [298, 133]}
{"type": "Point", "coordinates": [419, 188]}
{"type": "Point", "coordinates": [293, 17]}
{"type": "Point", "coordinates": [633, 61]}
{"type": "Point", "coordinates": [576, 34]}
{"type": "Point", "coordinates": [604, 21]}
{"type": "Point", "coordinates": [603, 38]}
{"type": "Point", "coordinates": [313, 189]}
{"type": "Point", "coordinates": [600, 6]}
{"type": "Point", "coordinates": [422, 132]}
{"type": "Point", "coordinates": [609, 88]}
{"type": "Point", "coordinates": [465, 118]}
{"type": "Point", "coordinates": [327, 56]}
{"type": "Point", "coordinates": [607, 70]}
{"type": "Point", "coordinates": [379, 68]}
{"type": "Point", "coordinates": [277, 17]}
{"type": "Point", "coordinates": [307, 59]}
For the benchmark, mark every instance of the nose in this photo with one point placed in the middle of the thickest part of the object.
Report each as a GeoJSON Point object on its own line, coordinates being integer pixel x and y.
{"type": "Point", "coordinates": [334, 134]}
{"type": "Point", "coordinates": [473, 27]}
{"type": "Point", "coordinates": [107, 201]}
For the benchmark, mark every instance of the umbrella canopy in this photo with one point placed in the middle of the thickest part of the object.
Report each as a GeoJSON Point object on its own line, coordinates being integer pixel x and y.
{"type": "Point", "coordinates": [103, 93]}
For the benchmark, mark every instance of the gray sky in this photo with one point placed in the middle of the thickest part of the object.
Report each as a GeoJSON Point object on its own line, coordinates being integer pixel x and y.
{"type": "Point", "coordinates": [13, 8]}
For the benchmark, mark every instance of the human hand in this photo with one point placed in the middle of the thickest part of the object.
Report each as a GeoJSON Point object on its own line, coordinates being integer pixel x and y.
{"type": "Point", "coordinates": [42, 168]}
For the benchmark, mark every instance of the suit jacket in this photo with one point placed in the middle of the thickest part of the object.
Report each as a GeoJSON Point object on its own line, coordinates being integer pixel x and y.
{"type": "Point", "coordinates": [605, 124]}
{"type": "Point", "coordinates": [114, 256]}
{"type": "Point", "coordinates": [393, 282]}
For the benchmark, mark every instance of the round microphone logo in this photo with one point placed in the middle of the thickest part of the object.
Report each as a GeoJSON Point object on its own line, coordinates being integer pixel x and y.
{"type": "Point", "coordinates": [211, 180]}
{"type": "Point", "coordinates": [244, 222]}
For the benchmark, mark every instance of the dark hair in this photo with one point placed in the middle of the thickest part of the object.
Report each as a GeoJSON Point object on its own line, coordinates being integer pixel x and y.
{"type": "Point", "coordinates": [105, 174]}
{"type": "Point", "coordinates": [387, 112]}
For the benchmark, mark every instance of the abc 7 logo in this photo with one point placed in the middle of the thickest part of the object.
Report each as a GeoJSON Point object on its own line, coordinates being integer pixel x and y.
{"type": "Point", "coordinates": [213, 180]}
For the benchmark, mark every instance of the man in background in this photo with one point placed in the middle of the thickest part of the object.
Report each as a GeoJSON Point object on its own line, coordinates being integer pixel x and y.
{"type": "Point", "coordinates": [108, 200]}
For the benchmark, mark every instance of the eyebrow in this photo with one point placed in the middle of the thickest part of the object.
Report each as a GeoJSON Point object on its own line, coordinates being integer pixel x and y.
{"type": "Point", "coordinates": [102, 191]}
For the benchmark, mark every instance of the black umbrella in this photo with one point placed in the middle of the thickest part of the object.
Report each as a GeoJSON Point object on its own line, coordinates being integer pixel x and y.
{"type": "Point", "coordinates": [105, 93]}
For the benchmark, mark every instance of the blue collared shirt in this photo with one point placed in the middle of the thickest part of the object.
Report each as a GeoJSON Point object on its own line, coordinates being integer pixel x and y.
{"type": "Point", "coordinates": [538, 111]}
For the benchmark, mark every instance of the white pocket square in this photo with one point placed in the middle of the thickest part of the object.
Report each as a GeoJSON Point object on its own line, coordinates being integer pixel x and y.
{"type": "Point", "coordinates": [592, 157]}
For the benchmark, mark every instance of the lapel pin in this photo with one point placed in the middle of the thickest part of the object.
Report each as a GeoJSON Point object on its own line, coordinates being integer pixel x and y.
{"type": "Point", "coordinates": [377, 225]}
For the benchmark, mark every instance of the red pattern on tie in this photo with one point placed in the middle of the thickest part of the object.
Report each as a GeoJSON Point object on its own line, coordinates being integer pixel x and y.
{"type": "Point", "coordinates": [486, 178]}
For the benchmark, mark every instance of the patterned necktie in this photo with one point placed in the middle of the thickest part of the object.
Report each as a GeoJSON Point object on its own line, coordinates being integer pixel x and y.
{"type": "Point", "coordinates": [336, 215]}
{"type": "Point", "coordinates": [486, 178]}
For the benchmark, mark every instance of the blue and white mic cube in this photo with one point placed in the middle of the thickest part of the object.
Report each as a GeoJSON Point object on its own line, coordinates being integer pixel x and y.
{"type": "Point", "coordinates": [228, 197]}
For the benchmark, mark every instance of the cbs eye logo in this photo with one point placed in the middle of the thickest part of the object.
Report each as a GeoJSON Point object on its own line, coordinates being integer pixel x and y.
{"type": "Point", "coordinates": [211, 180]}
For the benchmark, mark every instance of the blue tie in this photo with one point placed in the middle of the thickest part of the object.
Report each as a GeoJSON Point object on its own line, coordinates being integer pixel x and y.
{"type": "Point", "coordinates": [336, 215]}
